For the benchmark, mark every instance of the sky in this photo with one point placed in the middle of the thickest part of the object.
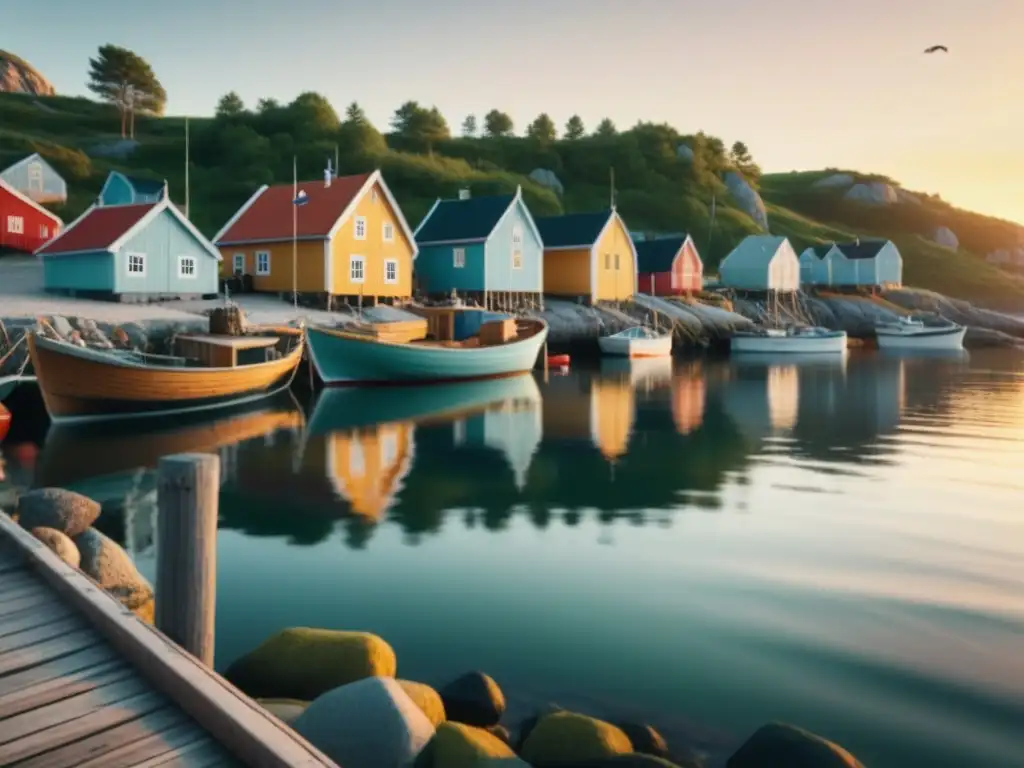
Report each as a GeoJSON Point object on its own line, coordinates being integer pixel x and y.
{"type": "Point", "coordinates": [806, 84]}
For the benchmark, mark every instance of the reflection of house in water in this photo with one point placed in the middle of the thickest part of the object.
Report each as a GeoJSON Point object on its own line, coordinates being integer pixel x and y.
{"type": "Point", "coordinates": [762, 397]}
{"type": "Point", "coordinates": [367, 466]}
{"type": "Point", "coordinates": [599, 407]}
{"type": "Point", "coordinates": [515, 428]}
{"type": "Point", "coordinates": [689, 395]}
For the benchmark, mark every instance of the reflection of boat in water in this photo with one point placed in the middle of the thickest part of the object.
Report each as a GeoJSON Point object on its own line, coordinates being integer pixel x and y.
{"type": "Point", "coordinates": [643, 373]}
{"type": "Point", "coordinates": [959, 355]}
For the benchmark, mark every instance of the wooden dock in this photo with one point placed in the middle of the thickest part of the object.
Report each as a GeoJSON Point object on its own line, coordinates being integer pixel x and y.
{"type": "Point", "coordinates": [85, 683]}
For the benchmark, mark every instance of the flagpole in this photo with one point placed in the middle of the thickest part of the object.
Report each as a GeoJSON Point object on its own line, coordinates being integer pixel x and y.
{"type": "Point", "coordinates": [295, 233]}
{"type": "Point", "coordinates": [186, 169]}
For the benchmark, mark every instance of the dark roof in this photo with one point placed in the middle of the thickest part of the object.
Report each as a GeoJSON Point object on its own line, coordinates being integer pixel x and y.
{"type": "Point", "coordinates": [865, 249]}
{"type": "Point", "coordinates": [821, 251]}
{"type": "Point", "coordinates": [472, 219]}
{"type": "Point", "coordinates": [657, 255]}
{"type": "Point", "coordinates": [573, 229]}
{"type": "Point", "coordinates": [146, 186]}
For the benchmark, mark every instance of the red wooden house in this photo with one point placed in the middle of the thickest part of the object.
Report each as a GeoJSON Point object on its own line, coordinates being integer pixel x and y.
{"type": "Point", "coordinates": [24, 224]}
{"type": "Point", "coordinates": [669, 266]}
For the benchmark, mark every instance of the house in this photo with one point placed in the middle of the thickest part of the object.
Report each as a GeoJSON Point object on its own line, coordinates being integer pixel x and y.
{"type": "Point", "coordinates": [816, 264]}
{"type": "Point", "coordinates": [120, 189]}
{"type": "Point", "coordinates": [24, 224]}
{"type": "Point", "coordinates": [669, 266]}
{"type": "Point", "coordinates": [131, 253]}
{"type": "Point", "coordinates": [36, 179]}
{"type": "Point", "coordinates": [486, 247]}
{"type": "Point", "coordinates": [869, 263]}
{"type": "Point", "coordinates": [350, 238]}
{"type": "Point", "coordinates": [588, 255]}
{"type": "Point", "coordinates": [761, 263]}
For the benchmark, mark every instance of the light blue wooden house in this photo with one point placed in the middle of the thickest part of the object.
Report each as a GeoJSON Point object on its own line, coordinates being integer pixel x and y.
{"type": "Point", "coordinates": [131, 253]}
{"type": "Point", "coordinates": [866, 263]}
{"type": "Point", "coordinates": [484, 248]}
{"type": "Point", "coordinates": [35, 178]}
{"type": "Point", "coordinates": [121, 189]}
{"type": "Point", "coordinates": [816, 264]}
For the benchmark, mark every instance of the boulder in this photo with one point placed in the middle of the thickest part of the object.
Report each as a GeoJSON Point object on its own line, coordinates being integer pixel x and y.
{"type": "Point", "coordinates": [303, 663]}
{"type": "Point", "coordinates": [500, 732]}
{"type": "Point", "coordinates": [945, 237]}
{"type": "Point", "coordinates": [630, 760]}
{"type": "Point", "coordinates": [548, 179]}
{"type": "Point", "coordinates": [473, 699]}
{"type": "Point", "coordinates": [872, 193]}
{"type": "Point", "coordinates": [685, 153]}
{"type": "Point", "coordinates": [747, 197]}
{"type": "Point", "coordinates": [106, 562]}
{"type": "Point", "coordinates": [286, 710]}
{"type": "Point", "coordinates": [909, 198]}
{"type": "Point", "coordinates": [63, 546]}
{"type": "Point", "coordinates": [778, 744]}
{"type": "Point", "coordinates": [65, 511]}
{"type": "Point", "coordinates": [426, 698]}
{"type": "Point", "coordinates": [370, 723]}
{"type": "Point", "coordinates": [835, 181]}
{"type": "Point", "coordinates": [18, 76]}
{"type": "Point", "coordinates": [645, 739]}
{"type": "Point", "coordinates": [565, 738]}
{"type": "Point", "coordinates": [457, 745]}
{"type": "Point", "coordinates": [528, 724]}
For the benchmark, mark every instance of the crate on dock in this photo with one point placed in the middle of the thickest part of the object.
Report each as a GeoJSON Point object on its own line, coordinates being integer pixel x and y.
{"type": "Point", "coordinates": [498, 331]}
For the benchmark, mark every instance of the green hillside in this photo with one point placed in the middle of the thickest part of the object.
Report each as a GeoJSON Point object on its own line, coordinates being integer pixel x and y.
{"type": "Point", "coordinates": [656, 189]}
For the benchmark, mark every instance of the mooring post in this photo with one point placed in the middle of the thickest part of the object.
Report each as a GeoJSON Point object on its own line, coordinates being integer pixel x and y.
{"type": "Point", "coordinates": [186, 569]}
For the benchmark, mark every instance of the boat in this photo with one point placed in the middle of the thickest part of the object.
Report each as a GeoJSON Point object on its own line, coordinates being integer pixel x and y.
{"type": "Point", "coordinates": [637, 342]}
{"type": "Point", "coordinates": [358, 357]}
{"type": "Point", "coordinates": [207, 371]}
{"type": "Point", "coordinates": [909, 332]}
{"type": "Point", "coordinates": [5, 422]}
{"type": "Point", "coordinates": [810, 339]}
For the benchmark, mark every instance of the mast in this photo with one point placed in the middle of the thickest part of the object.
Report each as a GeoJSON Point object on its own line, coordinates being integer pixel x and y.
{"type": "Point", "coordinates": [295, 233]}
{"type": "Point", "coordinates": [186, 170]}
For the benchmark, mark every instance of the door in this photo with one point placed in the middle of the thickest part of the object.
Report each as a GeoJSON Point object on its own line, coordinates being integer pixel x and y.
{"type": "Point", "coordinates": [35, 180]}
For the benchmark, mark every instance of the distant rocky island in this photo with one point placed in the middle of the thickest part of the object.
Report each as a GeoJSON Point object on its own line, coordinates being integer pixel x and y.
{"type": "Point", "coordinates": [18, 76]}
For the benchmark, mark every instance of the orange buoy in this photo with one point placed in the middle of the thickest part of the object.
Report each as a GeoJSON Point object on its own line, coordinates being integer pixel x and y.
{"type": "Point", "coordinates": [558, 361]}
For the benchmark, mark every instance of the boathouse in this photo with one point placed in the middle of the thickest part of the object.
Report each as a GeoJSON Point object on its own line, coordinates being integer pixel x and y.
{"type": "Point", "coordinates": [131, 253]}
{"type": "Point", "coordinates": [669, 266]}
{"type": "Point", "coordinates": [24, 224]}
{"type": "Point", "coordinates": [35, 178]}
{"type": "Point", "coordinates": [348, 233]}
{"type": "Point", "coordinates": [588, 255]}
{"type": "Point", "coordinates": [487, 248]}
{"type": "Point", "coordinates": [816, 264]}
{"type": "Point", "coordinates": [761, 263]}
{"type": "Point", "coordinates": [121, 189]}
{"type": "Point", "coordinates": [867, 263]}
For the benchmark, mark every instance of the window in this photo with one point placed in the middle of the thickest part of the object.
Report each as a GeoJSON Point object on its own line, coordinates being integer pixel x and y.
{"type": "Point", "coordinates": [136, 264]}
{"type": "Point", "coordinates": [607, 261]}
{"type": "Point", "coordinates": [355, 269]}
{"type": "Point", "coordinates": [239, 260]}
{"type": "Point", "coordinates": [35, 177]}
{"type": "Point", "coordinates": [390, 271]}
{"type": "Point", "coordinates": [517, 259]}
{"type": "Point", "coordinates": [16, 225]}
{"type": "Point", "coordinates": [186, 267]}
{"type": "Point", "coordinates": [262, 262]}
{"type": "Point", "coordinates": [458, 258]}
{"type": "Point", "coordinates": [360, 227]}
{"type": "Point", "coordinates": [389, 232]}
{"type": "Point", "coordinates": [616, 261]}
{"type": "Point", "coordinates": [44, 230]}
{"type": "Point", "coordinates": [389, 448]}
{"type": "Point", "coordinates": [517, 248]}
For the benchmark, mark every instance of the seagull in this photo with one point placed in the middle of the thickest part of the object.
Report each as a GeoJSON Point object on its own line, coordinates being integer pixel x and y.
{"type": "Point", "coordinates": [936, 48]}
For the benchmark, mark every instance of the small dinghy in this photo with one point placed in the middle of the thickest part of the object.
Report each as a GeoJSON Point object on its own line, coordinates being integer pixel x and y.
{"type": "Point", "coordinates": [637, 342]}
{"type": "Point", "coordinates": [790, 340]}
{"type": "Point", "coordinates": [913, 333]}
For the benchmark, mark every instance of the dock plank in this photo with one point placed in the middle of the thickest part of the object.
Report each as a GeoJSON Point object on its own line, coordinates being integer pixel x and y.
{"type": "Point", "coordinates": [56, 668]}
{"type": "Point", "coordinates": [37, 635]}
{"type": "Point", "coordinates": [33, 617]}
{"type": "Point", "coordinates": [18, 580]}
{"type": "Point", "coordinates": [22, 658]}
{"type": "Point", "coordinates": [23, 602]}
{"type": "Point", "coordinates": [192, 755]}
{"type": "Point", "coordinates": [63, 687]}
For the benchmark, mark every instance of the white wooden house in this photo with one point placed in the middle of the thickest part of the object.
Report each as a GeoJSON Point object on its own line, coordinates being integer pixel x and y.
{"type": "Point", "coordinates": [761, 263]}
{"type": "Point", "coordinates": [35, 178]}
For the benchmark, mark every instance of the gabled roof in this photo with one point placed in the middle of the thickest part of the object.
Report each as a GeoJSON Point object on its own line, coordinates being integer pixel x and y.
{"type": "Point", "coordinates": [146, 186]}
{"type": "Point", "coordinates": [818, 251]}
{"type": "Point", "coordinates": [30, 202]}
{"type": "Point", "coordinates": [25, 160]}
{"type": "Point", "coordinates": [657, 255]}
{"type": "Point", "coordinates": [863, 249]}
{"type": "Point", "coordinates": [755, 249]}
{"type": "Point", "coordinates": [573, 230]}
{"type": "Point", "coordinates": [470, 220]}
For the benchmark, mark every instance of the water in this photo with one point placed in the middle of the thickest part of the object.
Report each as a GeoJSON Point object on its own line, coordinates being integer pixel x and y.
{"type": "Point", "coordinates": [834, 544]}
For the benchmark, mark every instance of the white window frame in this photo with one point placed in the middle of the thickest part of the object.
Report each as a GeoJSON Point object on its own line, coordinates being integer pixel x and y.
{"type": "Point", "coordinates": [388, 232]}
{"type": "Point", "coordinates": [238, 264]}
{"type": "Point", "coordinates": [259, 270]}
{"type": "Point", "coordinates": [16, 225]}
{"type": "Point", "coordinates": [393, 280]}
{"type": "Point", "coordinates": [35, 174]}
{"type": "Point", "coordinates": [361, 261]}
{"type": "Point", "coordinates": [359, 228]}
{"type": "Point", "coordinates": [182, 261]}
{"type": "Point", "coordinates": [44, 230]}
{"type": "Point", "coordinates": [458, 258]}
{"type": "Point", "coordinates": [141, 272]}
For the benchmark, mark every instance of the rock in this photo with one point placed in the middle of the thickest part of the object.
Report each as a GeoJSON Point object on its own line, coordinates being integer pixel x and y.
{"type": "Point", "coordinates": [548, 179]}
{"type": "Point", "coordinates": [18, 76]}
{"type": "Point", "coordinates": [685, 153]}
{"type": "Point", "coordinates": [63, 546]}
{"type": "Point", "coordinates": [370, 723]}
{"type": "Point", "coordinates": [303, 663]}
{"type": "Point", "coordinates": [945, 237]}
{"type": "Point", "coordinates": [65, 511]}
{"type": "Point", "coordinates": [287, 710]}
{"type": "Point", "coordinates": [500, 732]}
{"type": "Point", "coordinates": [748, 198]}
{"type": "Point", "coordinates": [777, 744]}
{"type": "Point", "coordinates": [527, 725]}
{"type": "Point", "coordinates": [835, 181]}
{"type": "Point", "coordinates": [426, 698]}
{"type": "Point", "coordinates": [564, 738]}
{"type": "Point", "coordinates": [631, 760]}
{"type": "Point", "coordinates": [872, 193]}
{"type": "Point", "coordinates": [474, 699]}
{"type": "Point", "coordinates": [909, 198]}
{"type": "Point", "coordinates": [457, 745]}
{"type": "Point", "coordinates": [104, 560]}
{"type": "Point", "coordinates": [645, 739]}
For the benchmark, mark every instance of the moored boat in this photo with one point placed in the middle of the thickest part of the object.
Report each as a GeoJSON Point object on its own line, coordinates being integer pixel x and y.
{"type": "Point", "coordinates": [207, 371]}
{"type": "Point", "coordinates": [913, 333]}
{"type": "Point", "coordinates": [637, 342]}
{"type": "Point", "coordinates": [790, 340]}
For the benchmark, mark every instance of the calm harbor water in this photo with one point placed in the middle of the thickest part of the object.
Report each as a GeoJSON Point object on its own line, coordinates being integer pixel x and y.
{"type": "Point", "coordinates": [707, 546]}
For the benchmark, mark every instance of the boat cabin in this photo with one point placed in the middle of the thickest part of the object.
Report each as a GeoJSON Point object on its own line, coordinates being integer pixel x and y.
{"type": "Point", "coordinates": [223, 351]}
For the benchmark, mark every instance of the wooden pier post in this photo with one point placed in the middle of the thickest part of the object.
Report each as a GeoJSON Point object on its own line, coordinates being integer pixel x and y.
{"type": "Point", "coordinates": [186, 569]}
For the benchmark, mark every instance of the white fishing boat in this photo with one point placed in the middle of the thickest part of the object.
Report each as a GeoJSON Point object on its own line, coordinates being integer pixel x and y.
{"type": "Point", "coordinates": [803, 340]}
{"type": "Point", "coordinates": [637, 342]}
{"type": "Point", "coordinates": [913, 333]}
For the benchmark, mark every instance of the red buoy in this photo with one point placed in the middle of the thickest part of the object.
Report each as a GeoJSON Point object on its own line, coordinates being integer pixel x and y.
{"type": "Point", "coordinates": [5, 422]}
{"type": "Point", "coordinates": [558, 361]}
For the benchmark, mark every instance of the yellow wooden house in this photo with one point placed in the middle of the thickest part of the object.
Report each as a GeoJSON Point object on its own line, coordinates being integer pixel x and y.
{"type": "Point", "coordinates": [348, 233]}
{"type": "Point", "coordinates": [589, 255]}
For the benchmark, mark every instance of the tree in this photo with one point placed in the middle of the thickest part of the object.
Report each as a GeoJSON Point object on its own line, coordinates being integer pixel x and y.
{"type": "Point", "coordinates": [126, 80]}
{"type": "Point", "coordinates": [469, 126]}
{"type": "Point", "coordinates": [606, 128]}
{"type": "Point", "coordinates": [739, 154]}
{"type": "Point", "coordinates": [312, 117]}
{"type": "Point", "coordinates": [574, 128]}
{"type": "Point", "coordinates": [419, 125]}
{"type": "Point", "coordinates": [542, 129]}
{"type": "Point", "coordinates": [230, 105]}
{"type": "Point", "coordinates": [267, 105]}
{"type": "Point", "coordinates": [357, 136]}
{"type": "Point", "coordinates": [498, 123]}
{"type": "Point", "coordinates": [354, 114]}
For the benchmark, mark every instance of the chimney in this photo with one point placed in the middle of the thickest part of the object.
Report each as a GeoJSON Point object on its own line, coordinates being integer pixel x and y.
{"type": "Point", "coordinates": [464, 194]}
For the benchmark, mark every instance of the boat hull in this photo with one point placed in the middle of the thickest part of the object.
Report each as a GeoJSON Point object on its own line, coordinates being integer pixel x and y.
{"type": "Point", "coordinates": [831, 344]}
{"type": "Point", "coordinates": [618, 346]}
{"type": "Point", "coordinates": [81, 385]}
{"type": "Point", "coordinates": [929, 338]}
{"type": "Point", "coordinates": [349, 359]}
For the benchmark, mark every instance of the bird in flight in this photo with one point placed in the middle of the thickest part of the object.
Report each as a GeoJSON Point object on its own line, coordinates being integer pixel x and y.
{"type": "Point", "coordinates": [936, 48]}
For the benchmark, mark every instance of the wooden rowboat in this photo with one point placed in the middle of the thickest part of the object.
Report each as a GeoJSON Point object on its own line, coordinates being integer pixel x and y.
{"type": "Point", "coordinates": [637, 342]}
{"type": "Point", "coordinates": [81, 385]}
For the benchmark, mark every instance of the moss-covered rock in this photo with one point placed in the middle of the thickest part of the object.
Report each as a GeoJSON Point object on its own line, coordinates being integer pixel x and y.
{"type": "Point", "coordinates": [564, 738]}
{"type": "Point", "coordinates": [426, 698]}
{"type": "Point", "coordinates": [302, 663]}
{"type": "Point", "coordinates": [457, 745]}
{"type": "Point", "coordinates": [501, 732]}
{"type": "Point", "coordinates": [65, 511]}
{"type": "Point", "coordinates": [61, 545]}
{"type": "Point", "coordinates": [473, 699]}
{"type": "Point", "coordinates": [778, 744]}
{"type": "Point", "coordinates": [631, 760]}
{"type": "Point", "coordinates": [106, 562]}
{"type": "Point", "coordinates": [287, 710]}
{"type": "Point", "coordinates": [645, 739]}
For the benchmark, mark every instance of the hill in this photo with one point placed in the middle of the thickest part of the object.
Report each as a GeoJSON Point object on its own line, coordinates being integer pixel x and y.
{"type": "Point", "coordinates": [665, 181]}
{"type": "Point", "coordinates": [18, 76]}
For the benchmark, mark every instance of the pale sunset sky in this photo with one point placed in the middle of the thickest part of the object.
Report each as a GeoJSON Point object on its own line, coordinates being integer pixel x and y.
{"type": "Point", "coordinates": [805, 83]}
